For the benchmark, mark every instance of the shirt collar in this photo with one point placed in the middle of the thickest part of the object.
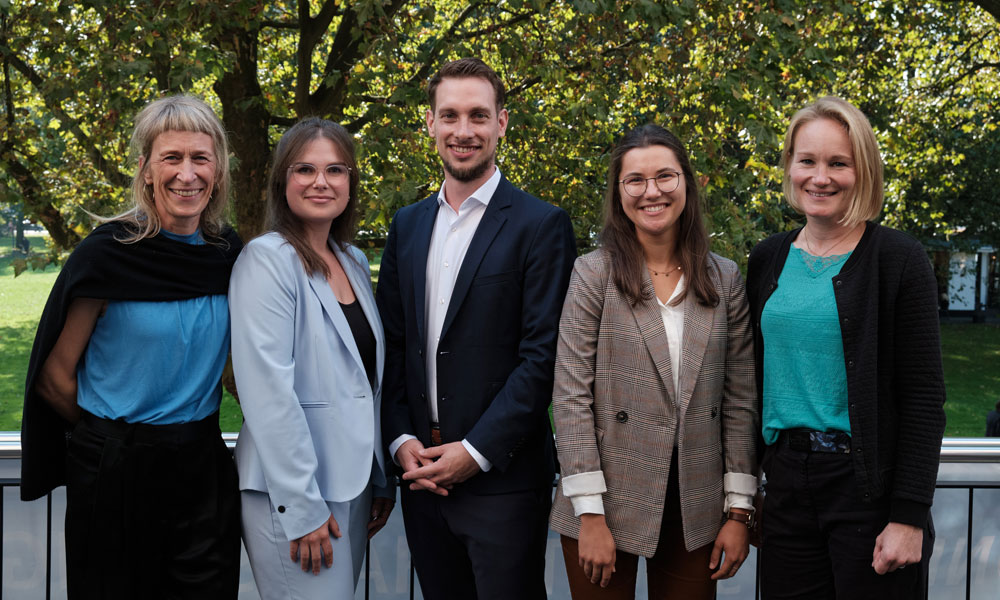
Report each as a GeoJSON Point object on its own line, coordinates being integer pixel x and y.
{"type": "Point", "coordinates": [482, 194]}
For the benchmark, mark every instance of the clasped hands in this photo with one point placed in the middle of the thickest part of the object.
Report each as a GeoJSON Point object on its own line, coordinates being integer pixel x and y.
{"type": "Point", "coordinates": [435, 469]}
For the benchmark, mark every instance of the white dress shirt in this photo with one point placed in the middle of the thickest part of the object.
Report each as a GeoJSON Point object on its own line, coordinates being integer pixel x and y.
{"type": "Point", "coordinates": [453, 232]}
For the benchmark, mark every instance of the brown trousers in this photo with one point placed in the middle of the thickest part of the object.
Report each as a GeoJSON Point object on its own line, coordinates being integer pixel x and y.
{"type": "Point", "coordinates": [672, 573]}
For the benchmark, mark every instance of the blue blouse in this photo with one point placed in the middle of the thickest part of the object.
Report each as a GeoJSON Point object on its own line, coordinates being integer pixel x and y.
{"type": "Point", "coordinates": [156, 362]}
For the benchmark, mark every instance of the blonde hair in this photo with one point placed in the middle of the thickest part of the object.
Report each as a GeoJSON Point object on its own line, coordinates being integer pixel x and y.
{"type": "Point", "coordinates": [866, 201]}
{"type": "Point", "coordinates": [174, 113]}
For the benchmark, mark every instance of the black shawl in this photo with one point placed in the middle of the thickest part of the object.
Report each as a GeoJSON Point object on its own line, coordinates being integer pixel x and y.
{"type": "Point", "coordinates": [153, 269]}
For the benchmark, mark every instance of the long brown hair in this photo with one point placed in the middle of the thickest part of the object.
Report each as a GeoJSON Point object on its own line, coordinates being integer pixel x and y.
{"type": "Point", "coordinates": [618, 235]}
{"type": "Point", "coordinates": [280, 217]}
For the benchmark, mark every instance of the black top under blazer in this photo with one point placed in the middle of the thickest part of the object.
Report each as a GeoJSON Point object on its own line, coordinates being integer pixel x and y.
{"type": "Point", "coordinates": [886, 296]}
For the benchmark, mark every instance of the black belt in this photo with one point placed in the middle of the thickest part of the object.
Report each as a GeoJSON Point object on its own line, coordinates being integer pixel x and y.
{"type": "Point", "coordinates": [144, 433]}
{"type": "Point", "coordinates": [804, 440]}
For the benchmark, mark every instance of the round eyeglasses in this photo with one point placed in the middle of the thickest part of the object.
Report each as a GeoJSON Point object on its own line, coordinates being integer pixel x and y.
{"type": "Point", "coordinates": [636, 186]}
{"type": "Point", "coordinates": [306, 174]}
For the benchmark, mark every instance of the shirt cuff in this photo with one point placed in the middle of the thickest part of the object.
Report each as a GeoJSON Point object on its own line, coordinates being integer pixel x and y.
{"type": "Point", "coordinates": [740, 489]}
{"type": "Point", "coordinates": [588, 504]}
{"type": "Point", "coordinates": [481, 460]}
{"type": "Point", "coordinates": [396, 443]}
{"type": "Point", "coordinates": [583, 484]}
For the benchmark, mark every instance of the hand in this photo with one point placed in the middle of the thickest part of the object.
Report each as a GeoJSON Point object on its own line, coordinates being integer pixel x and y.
{"type": "Point", "coordinates": [897, 546]}
{"type": "Point", "coordinates": [734, 542]}
{"type": "Point", "coordinates": [408, 456]}
{"type": "Point", "coordinates": [381, 507]}
{"type": "Point", "coordinates": [596, 549]}
{"type": "Point", "coordinates": [315, 547]}
{"type": "Point", "coordinates": [451, 464]}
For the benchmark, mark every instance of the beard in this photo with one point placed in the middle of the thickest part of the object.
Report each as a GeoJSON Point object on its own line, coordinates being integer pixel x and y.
{"type": "Point", "coordinates": [469, 173]}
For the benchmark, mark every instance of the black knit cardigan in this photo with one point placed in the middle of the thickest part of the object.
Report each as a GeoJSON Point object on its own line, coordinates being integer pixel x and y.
{"type": "Point", "coordinates": [886, 297]}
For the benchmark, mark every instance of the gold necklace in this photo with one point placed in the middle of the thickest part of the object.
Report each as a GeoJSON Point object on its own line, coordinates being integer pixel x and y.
{"type": "Point", "coordinates": [663, 273]}
{"type": "Point", "coordinates": [805, 239]}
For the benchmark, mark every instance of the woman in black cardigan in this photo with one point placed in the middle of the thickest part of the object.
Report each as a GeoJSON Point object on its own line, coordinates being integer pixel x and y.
{"type": "Point", "coordinates": [849, 374]}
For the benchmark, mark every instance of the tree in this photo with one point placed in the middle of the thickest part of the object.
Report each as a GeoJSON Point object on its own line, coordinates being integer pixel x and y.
{"type": "Point", "coordinates": [723, 75]}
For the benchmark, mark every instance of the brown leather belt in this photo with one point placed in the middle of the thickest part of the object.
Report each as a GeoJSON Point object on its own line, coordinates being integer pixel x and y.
{"type": "Point", "coordinates": [435, 434]}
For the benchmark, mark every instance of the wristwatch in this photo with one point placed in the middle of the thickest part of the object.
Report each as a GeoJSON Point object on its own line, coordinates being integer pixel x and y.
{"type": "Point", "coordinates": [745, 518]}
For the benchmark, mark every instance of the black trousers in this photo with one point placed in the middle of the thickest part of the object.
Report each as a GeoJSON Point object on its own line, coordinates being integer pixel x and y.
{"type": "Point", "coordinates": [819, 535]}
{"type": "Point", "coordinates": [151, 511]}
{"type": "Point", "coordinates": [478, 547]}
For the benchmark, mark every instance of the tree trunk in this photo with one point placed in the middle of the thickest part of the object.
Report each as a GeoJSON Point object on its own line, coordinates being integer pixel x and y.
{"type": "Point", "coordinates": [246, 120]}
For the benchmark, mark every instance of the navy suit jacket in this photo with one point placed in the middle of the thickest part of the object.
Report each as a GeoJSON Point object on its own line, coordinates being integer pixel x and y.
{"type": "Point", "coordinates": [497, 348]}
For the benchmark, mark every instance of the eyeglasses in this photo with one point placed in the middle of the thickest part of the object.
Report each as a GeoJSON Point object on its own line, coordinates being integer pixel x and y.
{"type": "Point", "coordinates": [636, 186]}
{"type": "Point", "coordinates": [306, 174]}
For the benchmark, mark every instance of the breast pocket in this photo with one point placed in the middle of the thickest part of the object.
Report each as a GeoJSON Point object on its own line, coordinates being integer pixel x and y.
{"type": "Point", "coordinates": [506, 277]}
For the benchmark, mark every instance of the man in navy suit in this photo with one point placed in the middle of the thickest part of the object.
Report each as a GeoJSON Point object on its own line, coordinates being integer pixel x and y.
{"type": "Point", "coordinates": [470, 291]}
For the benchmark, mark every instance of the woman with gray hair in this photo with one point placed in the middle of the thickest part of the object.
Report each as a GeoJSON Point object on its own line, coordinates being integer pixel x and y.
{"type": "Point", "coordinates": [123, 388]}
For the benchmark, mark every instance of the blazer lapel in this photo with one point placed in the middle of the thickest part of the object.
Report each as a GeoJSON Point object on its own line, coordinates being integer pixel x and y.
{"type": "Point", "coordinates": [650, 322]}
{"type": "Point", "coordinates": [423, 229]}
{"type": "Point", "coordinates": [491, 223]}
{"type": "Point", "coordinates": [697, 329]}
{"type": "Point", "coordinates": [330, 304]}
{"type": "Point", "coordinates": [361, 283]}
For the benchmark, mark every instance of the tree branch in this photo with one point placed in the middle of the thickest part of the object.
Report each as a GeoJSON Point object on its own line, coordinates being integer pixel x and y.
{"type": "Point", "coordinates": [32, 197]}
{"type": "Point", "coordinates": [497, 27]}
{"type": "Point", "coordinates": [102, 164]}
{"type": "Point", "coordinates": [345, 51]}
{"type": "Point", "coordinates": [941, 86]}
{"type": "Point", "coordinates": [990, 6]}
{"type": "Point", "coordinates": [280, 24]}
{"type": "Point", "coordinates": [282, 121]}
{"type": "Point", "coordinates": [576, 67]}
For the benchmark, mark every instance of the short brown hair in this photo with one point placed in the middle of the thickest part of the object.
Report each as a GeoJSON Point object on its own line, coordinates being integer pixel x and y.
{"type": "Point", "coordinates": [463, 68]}
{"type": "Point", "coordinates": [866, 203]}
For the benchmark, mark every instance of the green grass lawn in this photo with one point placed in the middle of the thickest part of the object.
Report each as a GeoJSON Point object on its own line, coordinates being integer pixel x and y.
{"type": "Point", "coordinates": [971, 354]}
{"type": "Point", "coordinates": [21, 302]}
{"type": "Point", "coordinates": [972, 375]}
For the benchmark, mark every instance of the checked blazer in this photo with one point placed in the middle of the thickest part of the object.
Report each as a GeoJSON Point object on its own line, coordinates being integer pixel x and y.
{"type": "Point", "coordinates": [617, 416]}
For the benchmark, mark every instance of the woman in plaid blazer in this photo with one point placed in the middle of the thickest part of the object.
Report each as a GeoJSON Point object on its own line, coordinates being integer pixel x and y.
{"type": "Point", "coordinates": [654, 402]}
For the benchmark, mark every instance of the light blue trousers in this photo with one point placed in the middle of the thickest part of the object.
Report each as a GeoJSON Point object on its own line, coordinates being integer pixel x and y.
{"type": "Point", "coordinates": [277, 577]}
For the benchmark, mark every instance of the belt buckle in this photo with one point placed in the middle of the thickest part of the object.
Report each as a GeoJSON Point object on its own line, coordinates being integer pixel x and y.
{"type": "Point", "coordinates": [435, 435]}
{"type": "Point", "coordinates": [827, 442]}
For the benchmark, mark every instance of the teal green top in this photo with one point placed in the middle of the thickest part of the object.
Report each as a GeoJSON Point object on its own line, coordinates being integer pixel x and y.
{"type": "Point", "coordinates": [805, 382]}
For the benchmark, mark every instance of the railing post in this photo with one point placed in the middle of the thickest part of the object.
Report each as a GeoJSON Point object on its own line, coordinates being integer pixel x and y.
{"type": "Point", "coordinates": [968, 551]}
{"type": "Point", "coordinates": [48, 546]}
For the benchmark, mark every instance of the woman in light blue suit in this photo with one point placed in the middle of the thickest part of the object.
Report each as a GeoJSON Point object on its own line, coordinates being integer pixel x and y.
{"type": "Point", "coordinates": [308, 351]}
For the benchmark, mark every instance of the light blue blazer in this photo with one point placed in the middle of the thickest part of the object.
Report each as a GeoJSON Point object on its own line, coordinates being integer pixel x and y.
{"type": "Point", "coordinates": [311, 419]}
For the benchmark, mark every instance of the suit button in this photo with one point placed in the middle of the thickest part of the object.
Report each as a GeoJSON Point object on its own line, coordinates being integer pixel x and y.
{"type": "Point", "coordinates": [420, 352]}
{"type": "Point", "coordinates": [510, 454]}
{"type": "Point", "coordinates": [281, 509]}
{"type": "Point", "coordinates": [622, 416]}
